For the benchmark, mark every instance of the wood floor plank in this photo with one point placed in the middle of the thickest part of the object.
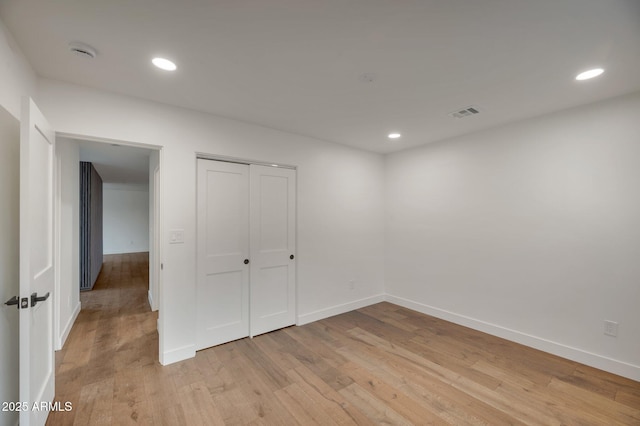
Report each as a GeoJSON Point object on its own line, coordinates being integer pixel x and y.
{"type": "Point", "coordinates": [375, 410]}
{"type": "Point", "coordinates": [197, 405]}
{"type": "Point", "coordinates": [234, 408]}
{"type": "Point", "coordinates": [327, 398]}
{"type": "Point", "coordinates": [132, 413]}
{"type": "Point", "coordinates": [96, 404]}
{"type": "Point", "coordinates": [307, 356]}
{"type": "Point", "coordinates": [382, 364]}
{"type": "Point", "coordinates": [445, 401]}
{"type": "Point", "coordinates": [479, 391]}
{"type": "Point", "coordinates": [594, 404]}
{"type": "Point", "coordinates": [302, 407]}
{"type": "Point", "coordinates": [402, 403]}
{"type": "Point", "coordinates": [276, 353]}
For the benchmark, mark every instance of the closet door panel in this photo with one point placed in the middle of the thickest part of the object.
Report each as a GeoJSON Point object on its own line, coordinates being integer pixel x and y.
{"type": "Point", "coordinates": [272, 231]}
{"type": "Point", "coordinates": [223, 246]}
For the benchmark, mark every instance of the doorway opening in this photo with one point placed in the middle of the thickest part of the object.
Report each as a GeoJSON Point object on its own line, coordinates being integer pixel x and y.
{"type": "Point", "coordinates": [128, 256]}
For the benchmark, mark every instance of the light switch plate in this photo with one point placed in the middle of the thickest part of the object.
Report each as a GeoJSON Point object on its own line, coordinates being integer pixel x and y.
{"type": "Point", "coordinates": [176, 236]}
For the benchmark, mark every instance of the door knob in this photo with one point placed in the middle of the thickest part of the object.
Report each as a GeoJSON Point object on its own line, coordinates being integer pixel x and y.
{"type": "Point", "coordinates": [13, 301]}
{"type": "Point", "coordinates": [291, 257]}
{"type": "Point", "coordinates": [246, 261]}
{"type": "Point", "coordinates": [35, 299]}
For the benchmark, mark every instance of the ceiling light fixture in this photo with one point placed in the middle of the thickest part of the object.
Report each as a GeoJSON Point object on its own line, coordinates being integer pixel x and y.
{"type": "Point", "coordinates": [164, 64]}
{"type": "Point", "coordinates": [589, 74]}
{"type": "Point", "coordinates": [394, 135]}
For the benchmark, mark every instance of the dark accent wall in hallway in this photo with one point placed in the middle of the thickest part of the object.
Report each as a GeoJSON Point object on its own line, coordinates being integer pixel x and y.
{"type": "Point", "coordinates": [90, 225]}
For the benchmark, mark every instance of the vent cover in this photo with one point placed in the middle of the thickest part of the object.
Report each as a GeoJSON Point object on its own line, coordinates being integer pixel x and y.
{"type": "Point", "coordinates": [465, 112]}
{"type": "Point", "coordinates": [82, 49]}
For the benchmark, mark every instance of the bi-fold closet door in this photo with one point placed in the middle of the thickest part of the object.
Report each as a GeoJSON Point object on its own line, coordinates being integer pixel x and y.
{"type": "Point", "coordinates": [246, 250]}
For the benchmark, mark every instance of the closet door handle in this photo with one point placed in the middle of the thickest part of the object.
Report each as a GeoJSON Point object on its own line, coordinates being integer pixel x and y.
{"type": "Point", "coordinates": [291, 257]}
{"type": "Point", "coordinates": [246, 261]}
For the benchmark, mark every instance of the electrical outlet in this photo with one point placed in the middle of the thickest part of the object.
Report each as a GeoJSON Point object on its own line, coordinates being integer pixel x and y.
{"type": "Point", "coordinates": [611, 328]}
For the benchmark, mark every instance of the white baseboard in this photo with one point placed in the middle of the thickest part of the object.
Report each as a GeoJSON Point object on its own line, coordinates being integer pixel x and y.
{"type": "Point", "coordinates": [597, 361]}
{"type": "Point", "coordinates": [150, 299]}
{"type": "Point", "coordinates": [339, 309]}
{"type": "Point", "coordinates": [176, 355]}
{"type": "Point", "coordinates": [128, 250]}
{"type": "Point", "coordinates": [67, 328]}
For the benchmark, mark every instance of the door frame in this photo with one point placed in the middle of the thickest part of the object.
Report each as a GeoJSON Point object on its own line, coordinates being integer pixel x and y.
{"type": "Point", "coordinates": [229, 159]}
{"type": "Point", "coordinates": [205, 156]}
{"type": "Point", "coordinates": [155, 250]}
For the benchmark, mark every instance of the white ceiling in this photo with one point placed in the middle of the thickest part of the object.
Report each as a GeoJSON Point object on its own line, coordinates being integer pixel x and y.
{"type": "Point", "coordinates": [296, 65]}
{"type": "Point", "coordinates": [117, 163]}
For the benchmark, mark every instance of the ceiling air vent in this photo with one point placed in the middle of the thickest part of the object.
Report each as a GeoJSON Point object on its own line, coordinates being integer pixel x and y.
{"type": "Point", "coordinates": [82, 49]}
{"type": "Point", "coordinates": [465, 112]}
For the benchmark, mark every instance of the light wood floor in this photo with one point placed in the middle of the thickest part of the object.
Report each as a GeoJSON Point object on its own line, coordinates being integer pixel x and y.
{"type": "Point", "coordinates": [379, 365]}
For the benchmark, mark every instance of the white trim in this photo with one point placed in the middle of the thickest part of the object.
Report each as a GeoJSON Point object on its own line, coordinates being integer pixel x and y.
{"type": "Point", "coordinates": [56, 302]}
{"type": "Point", "coordinates": [150, 299]}
{"type": "Point", "coordinates": [227, 159]}
{"type": "Point", "coordinates": [87, 138]}
{"type": "Point", "coordinates": [158, 212]}
{"type": "Point", "coordinates": [339, 309]}
{"type": "Point", "coordinates": [179, 354]}
{"type": "Point", "coordinates": [568, 352]}
{"type": "Point", "coordinates": [67, 328]}
{"type": "Point", "coordinates": [126, 251]}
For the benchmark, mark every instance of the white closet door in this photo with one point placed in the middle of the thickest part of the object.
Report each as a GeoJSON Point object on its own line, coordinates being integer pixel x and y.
{"type": "Point", "coordinates": [272, 248]}
{"type": "Point", "coordinates": [223, 246]}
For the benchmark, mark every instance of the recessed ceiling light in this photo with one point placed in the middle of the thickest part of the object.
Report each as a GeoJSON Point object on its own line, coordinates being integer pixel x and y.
{"type": "Point", "coordinates": [164, 64]}
{"type": "Point", "coordinates": [589, 74]}
{"type": "Point", "coordinates": [394, 135]}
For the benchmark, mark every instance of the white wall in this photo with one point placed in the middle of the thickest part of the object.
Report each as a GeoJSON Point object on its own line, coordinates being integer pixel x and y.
{"type": "Point", "coordinates": [68, 214]}
{"type": "Point", "coordinates": [125, 218]}
{"type": "Point", "coordinates": [16, 80]}
{"type": "Point", "coordinates": [9, 259]}
{"type": "Point", "coordinates": [530, 231]}
{"type": "Point", "coordinates": [340, 200]}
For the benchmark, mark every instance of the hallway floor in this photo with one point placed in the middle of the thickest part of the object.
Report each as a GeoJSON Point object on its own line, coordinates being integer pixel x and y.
{"type": "Point", "coordinates": [112, 346]}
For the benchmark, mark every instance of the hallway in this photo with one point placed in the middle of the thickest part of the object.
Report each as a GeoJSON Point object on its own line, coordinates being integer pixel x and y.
{"type": "Point", "coordinates": [112, 344]}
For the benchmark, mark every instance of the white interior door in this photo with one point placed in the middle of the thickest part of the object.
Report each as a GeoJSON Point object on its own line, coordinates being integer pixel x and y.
{"type": "Point", "coordinates": [273, 247]}
{"type": "Point", "coordinates": [223, 247]}
{"type": "Point", "coordinates": [37, 365]}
